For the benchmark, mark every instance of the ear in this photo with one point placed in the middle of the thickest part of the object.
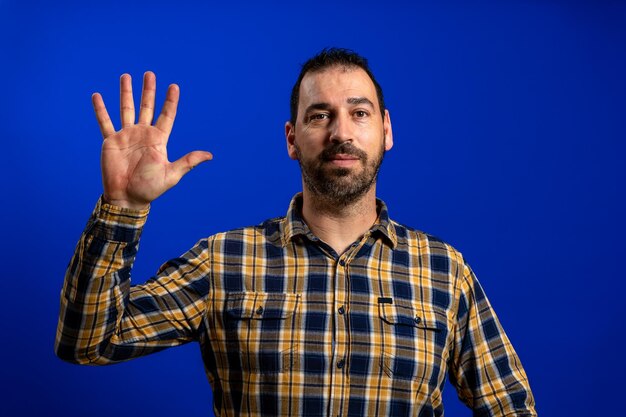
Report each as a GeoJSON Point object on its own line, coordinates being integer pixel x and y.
{"type": "Point", "coordinates": [387, 131]}
{"type": "Point", "coordinates": [290, 136]}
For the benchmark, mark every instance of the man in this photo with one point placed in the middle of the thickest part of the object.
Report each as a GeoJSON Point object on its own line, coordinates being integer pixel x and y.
{"type": "Point", "coordinates": [331, 310]}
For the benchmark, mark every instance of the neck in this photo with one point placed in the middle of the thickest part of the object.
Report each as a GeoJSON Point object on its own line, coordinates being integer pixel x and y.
{"type": "Point", "coordinates": [339, 225]}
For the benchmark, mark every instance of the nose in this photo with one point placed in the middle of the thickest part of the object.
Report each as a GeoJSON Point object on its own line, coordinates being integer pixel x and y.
{"type": "Point", "coordinates": [341, 129]}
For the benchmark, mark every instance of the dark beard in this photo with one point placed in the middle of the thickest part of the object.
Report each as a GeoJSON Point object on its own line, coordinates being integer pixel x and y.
{"type": "Point", "coordinates": [340, 186]}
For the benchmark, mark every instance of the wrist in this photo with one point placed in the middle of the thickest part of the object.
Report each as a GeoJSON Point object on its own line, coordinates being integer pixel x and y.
{"type": "Point", "coordinates": [125, 203]}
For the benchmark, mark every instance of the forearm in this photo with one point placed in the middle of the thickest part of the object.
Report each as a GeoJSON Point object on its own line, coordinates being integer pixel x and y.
{"type": "Point", "coordinates": [484, 366]}
{"type": "Point", "coordinates": [96, 287]}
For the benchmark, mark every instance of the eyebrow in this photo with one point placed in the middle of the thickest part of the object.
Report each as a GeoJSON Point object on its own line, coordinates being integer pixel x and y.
{"type": "Point", "coordinates": [360, 100]}
{"type": "Point", "coordinates": [350, 100]}
{"type": "Point", "coordinates": [317, 106]}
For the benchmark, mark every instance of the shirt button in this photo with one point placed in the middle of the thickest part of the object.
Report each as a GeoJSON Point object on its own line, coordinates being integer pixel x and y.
{"type": "Point", "coordinates": [342, 262]}
{"type": "Point", "coordinates": [417, 320]}
{"type": "Point", "coordinates": [259, 310]}
{"type": "Point", "coordinates": [341, 310]}
{"type": "Point", "coordinates": [340, 363]}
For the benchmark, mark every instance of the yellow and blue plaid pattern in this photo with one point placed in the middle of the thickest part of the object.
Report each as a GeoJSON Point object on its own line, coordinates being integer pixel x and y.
{"type": "Point", "coordinates": [288, 327]}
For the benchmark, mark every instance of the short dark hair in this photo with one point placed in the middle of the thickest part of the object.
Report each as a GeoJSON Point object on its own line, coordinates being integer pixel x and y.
{"type": "Point", "coordinates": [333, 57]}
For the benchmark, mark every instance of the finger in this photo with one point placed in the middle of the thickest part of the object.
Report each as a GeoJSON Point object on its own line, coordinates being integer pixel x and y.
{"type": "Point", "coordinates": [102, 116]}
{"type": "Point", "coordinates": [146, 111]}
{"type": "Point", "coordinates": [165, 122]}
{"type": "Point", "coordinates": [185, 164]}
{"type": "Point", "coordinates": [127, 105]}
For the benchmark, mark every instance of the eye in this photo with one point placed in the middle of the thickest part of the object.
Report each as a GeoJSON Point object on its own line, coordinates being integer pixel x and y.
{"type": "Point", "coordinates": [361, 114]}
{"type": "Point", "coordinates": [318, 116]}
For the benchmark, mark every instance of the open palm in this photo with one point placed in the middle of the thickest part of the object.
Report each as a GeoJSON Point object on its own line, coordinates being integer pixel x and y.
{"type": "Point", "coordinates": [135, 168]}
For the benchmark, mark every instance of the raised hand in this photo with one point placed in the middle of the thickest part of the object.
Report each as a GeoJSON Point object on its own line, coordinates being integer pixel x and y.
{"type": "Point", "coordinates": [135, 168]}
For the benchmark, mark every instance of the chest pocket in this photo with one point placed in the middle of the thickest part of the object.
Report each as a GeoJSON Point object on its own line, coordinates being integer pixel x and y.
{"type": "Point", "coordinates": [413, 339]}
{"type": "Point", "coordinates": [261, 330]}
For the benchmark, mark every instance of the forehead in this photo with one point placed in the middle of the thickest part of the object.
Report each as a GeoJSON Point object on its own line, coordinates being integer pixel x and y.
{"type": "Point", "coordinates": [335, 85]}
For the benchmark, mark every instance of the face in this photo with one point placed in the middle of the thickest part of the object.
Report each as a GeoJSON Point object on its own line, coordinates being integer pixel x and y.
{"type": "Point", "coordinates": [340, 136]}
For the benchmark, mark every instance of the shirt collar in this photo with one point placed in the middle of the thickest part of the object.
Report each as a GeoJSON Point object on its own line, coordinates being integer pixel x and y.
{"type": "Point", "coordinates": [293, 225]}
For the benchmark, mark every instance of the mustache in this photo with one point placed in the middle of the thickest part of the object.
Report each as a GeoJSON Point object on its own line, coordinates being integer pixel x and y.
{"type": "Point", "coordinates": [344, 148]}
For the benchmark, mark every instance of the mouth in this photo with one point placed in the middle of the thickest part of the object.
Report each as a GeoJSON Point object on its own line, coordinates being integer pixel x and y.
{"type": "Point", "coordinates": [343, 160]}
{"type": "Point", "coordinates": [344, 157]}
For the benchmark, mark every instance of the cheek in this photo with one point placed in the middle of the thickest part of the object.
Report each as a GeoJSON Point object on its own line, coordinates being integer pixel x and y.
{"type": "Point", "coordinates": [309, 144]}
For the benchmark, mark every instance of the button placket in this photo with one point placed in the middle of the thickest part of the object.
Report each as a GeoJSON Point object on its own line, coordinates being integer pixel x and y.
{"type": "Point", "coordinates": [340, 386]}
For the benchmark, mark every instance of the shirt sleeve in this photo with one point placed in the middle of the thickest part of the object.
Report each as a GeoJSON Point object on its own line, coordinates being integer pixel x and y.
{"type": "Point", "coordinates": [484, 367]}
{"type": "Point", "coordinates": [103, 319]}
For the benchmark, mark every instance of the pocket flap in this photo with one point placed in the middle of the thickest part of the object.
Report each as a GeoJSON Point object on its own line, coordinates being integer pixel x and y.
{"type": "Point", "coordinates": [256, 305]}
{"type": "Point", "coordinates": [404, 313]}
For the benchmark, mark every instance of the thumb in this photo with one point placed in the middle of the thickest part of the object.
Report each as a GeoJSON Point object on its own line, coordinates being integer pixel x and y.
{"type": "Point", "coordinates": [186, 163]}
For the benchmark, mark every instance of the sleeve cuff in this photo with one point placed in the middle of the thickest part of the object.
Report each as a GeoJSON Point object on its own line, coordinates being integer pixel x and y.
{"type": "Point", "coordinates": [116, 223]}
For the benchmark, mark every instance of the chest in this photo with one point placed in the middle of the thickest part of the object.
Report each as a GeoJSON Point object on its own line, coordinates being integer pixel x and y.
{"type": "Point", "coordinates": [380, 311]}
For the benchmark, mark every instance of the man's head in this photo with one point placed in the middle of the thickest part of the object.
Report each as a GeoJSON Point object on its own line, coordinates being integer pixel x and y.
{"type": "Point", "coordinates": [341, 131]}
{"type": "Point", "coordinates": [333, 57]}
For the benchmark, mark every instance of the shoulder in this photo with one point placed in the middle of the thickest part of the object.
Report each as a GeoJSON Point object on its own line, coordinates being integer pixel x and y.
{"type": "Point", "coordinates": [416, 241]}
{"type": "Point", "coordinates": [268, 231]}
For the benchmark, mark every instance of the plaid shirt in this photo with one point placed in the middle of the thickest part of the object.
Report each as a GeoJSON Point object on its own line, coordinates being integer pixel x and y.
{"type": "Point", "coordinates": [288, 327]}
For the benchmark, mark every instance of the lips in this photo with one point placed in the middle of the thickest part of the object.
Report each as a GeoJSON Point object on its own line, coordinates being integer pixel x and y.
{"type": "Point", "coordinates": [342, 152]}
{"type": "Point", "coordinates": [343, 160]}
{"type": "Point", "coordinates": [344, 157]}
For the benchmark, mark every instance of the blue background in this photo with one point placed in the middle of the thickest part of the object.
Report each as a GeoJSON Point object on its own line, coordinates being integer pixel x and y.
{"type": "Point", "coordinates": [509, 126]}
